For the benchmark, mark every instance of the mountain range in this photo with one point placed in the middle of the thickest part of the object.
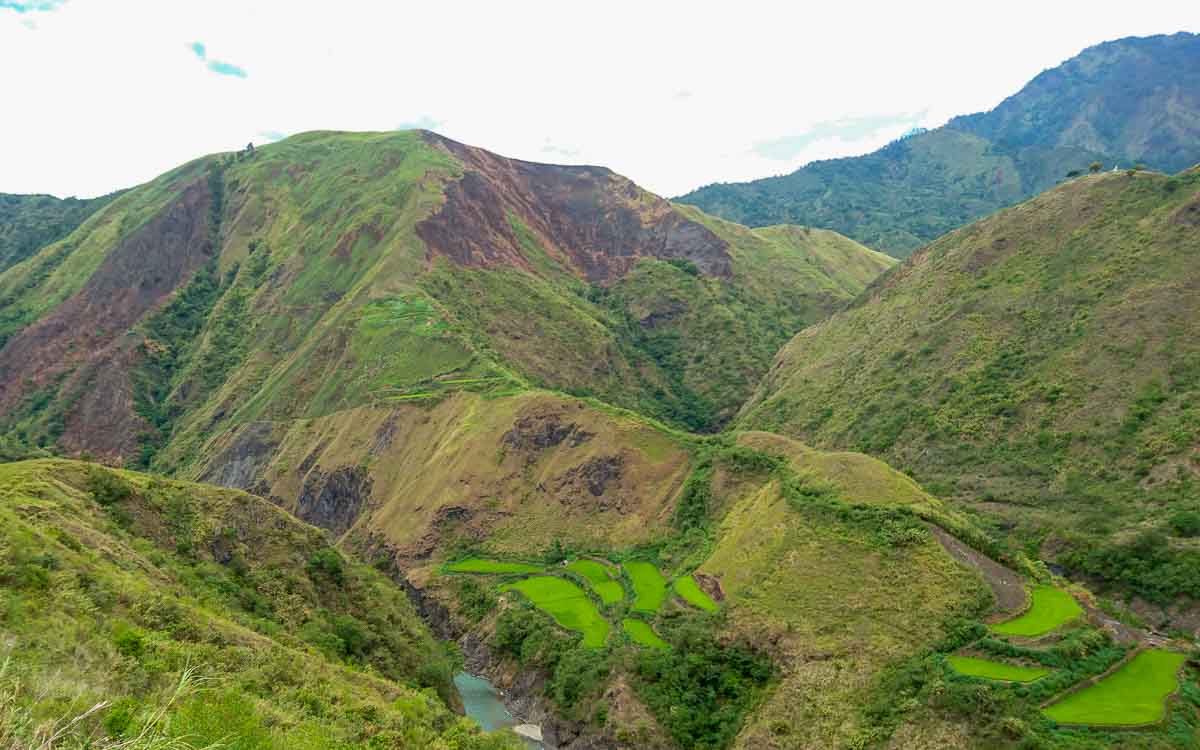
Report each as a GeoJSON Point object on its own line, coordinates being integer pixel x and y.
{"type": "Point", "coordinates": [291, 436]}
{"type": "Point", "coordinates": [1122, 103]}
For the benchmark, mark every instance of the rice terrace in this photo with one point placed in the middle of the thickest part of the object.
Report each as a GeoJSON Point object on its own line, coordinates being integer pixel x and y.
{"type": "Point", "coordinates": [993, 670]}
{"type": "Point", "coordinates": [1049, 609]}
{"type": "Point", "coordinates": [790, 378]}
{"type": "Point", "coordinates": [574, 609]}
{"type": "Point", "coordinates": [1123, 686]}
{"type": "Point", "coordinates": [1134, 695]}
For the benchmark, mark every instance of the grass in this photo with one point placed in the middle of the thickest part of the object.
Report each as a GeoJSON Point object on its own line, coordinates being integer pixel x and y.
{"type": "Point", "coordinates": [1133, 695]}
{"type": "Point", "coordinates": [124, 594]}
{"type": "Point", "coordinates": [691, 593]}
{"type": "Point", "coordinates": [1058, 381]}
{"type": "Point", "coordinates": [480, 565]}
{"type": "Point", "coordinates": [994, 670]}
{"type": "Point", "coordinates": [600, 579]}
{"type": "Point", "coordinates": [642, 634]}
{"type": "Point", "coordinates": [649, 586]}
{"type": "Point", "coordinates": [568, 604]}
{"type": "Point", "coordinates": [1049, 609]}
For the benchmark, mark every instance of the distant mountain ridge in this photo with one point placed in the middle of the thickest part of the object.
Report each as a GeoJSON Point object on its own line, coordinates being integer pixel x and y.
{"type": "Point", "coordinates": [30, 222]}
{"type": "Point", "coordinates": [1124, 102]}
{"type": "Point", "coordinates": [333, 270]}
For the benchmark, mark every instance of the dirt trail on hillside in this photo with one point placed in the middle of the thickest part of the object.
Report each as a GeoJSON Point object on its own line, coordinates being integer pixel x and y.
{"type": "Point", "coordinates": [1007, 585]}
{"type": "Point", "coordinates": [1009, 590]}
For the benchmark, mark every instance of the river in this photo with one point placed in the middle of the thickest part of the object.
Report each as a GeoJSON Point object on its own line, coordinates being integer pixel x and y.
{"type": "Point", "coordinates": [482, 702]}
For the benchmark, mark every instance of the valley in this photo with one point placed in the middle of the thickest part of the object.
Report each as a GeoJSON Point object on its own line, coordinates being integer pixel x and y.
{"type": "Point", "coordinates": [379, 440]}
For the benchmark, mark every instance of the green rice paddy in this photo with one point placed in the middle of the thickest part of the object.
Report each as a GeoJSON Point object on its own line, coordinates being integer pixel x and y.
{"type": "Point", "coordinates": [649, 586]}
{"type": "Point", "coordinates": [568, 604]}
{"type": "Point", "coordinates": [479, 565]}
{"type": "Point", "coordinates": [642, 634]}
{"type": "Point", "coordinates": [1135, 694]}
{"type": "Point", "coordinates": [610, 591]}
{"type": "Point", "coordinates": [1049, 609]}
{"type": "Point", "coordinates": [994, 670]}
{"type": "Point", "coordinates": [691, 593]}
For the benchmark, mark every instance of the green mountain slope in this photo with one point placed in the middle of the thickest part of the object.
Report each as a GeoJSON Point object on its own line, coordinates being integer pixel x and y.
{"type": "Point", "coordinates": [331, 271]}
{"type": "Point", "coordinates": [1041, 364]}
{"type": "Point", "coordinates": [30, 222]}
{"type": "Point", "coordinates": [1124, 102]}
{"type": "Point", "coordinates": [139, 612]}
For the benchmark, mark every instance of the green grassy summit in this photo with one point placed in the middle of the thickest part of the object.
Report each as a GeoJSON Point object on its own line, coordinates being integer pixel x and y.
{"type": "Point", "coordinates": [1038, 364]}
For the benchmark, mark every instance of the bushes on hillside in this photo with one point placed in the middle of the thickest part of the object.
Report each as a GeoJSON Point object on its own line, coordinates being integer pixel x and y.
{"type": "Point", "coordinates": [106, 487]}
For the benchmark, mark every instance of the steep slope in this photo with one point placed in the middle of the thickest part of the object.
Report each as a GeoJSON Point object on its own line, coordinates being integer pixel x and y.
{"type": "Point", "coordinates": [30, 222]}
{"type": "Point", "coordinates": [331, 271]}
{"type": "Point", "coordinates": [820, 563]}
{"type": "Point", "coordinates": [1124, 102]}
{"type": "Point", "coordinates": [1041, 364]}
{"type": "Point", "coordinates": [164, 613]}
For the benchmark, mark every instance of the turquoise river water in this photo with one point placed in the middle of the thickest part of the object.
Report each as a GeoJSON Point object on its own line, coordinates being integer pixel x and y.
{"type": "Point", "coordinates": [482, 702]}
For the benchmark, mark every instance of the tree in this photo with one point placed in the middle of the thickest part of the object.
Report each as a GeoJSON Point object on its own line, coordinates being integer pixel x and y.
{"type": "Point", "coordinates": [1073, 173]}
{"type": "Point", "coordinates": [1095, 167]}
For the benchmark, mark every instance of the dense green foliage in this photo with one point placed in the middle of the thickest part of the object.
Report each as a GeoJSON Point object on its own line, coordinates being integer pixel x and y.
{"type": "Point", "coordinates": [699, 689]}
{"type": "Point", "coordinates": [577, 673]}
{"type": "Point", "coordinates": [1102, 104]}
{"type": "Point", "coordinates": [1039, 362]}
{"type": "Point", "coordinates": [30, 222]}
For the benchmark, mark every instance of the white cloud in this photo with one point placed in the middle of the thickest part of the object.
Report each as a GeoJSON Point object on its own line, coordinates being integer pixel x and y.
{"type": "Point", "coordinates": [106, 94]}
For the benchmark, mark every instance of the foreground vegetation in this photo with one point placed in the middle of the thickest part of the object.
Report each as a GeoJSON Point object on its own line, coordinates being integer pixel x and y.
{"type": "Point", "coordinates": [138, 612]}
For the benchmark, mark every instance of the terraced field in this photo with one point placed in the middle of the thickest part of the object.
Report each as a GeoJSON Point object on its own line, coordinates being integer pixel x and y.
{"type": "Point", "coordinates": [688, 590]}
{"type": "Point", "coordinates": [1133, 695]}
{"type": "Point", "coordinates": [649, 586]}
{"type": "Point", "coordinates": [600, 579]}
{"type": "Point", "coordinates": [1050, 608]}
{"type": "Point", "coordinates": [642, 634]}
{"type": "Point", "coordinates": [568, 604]}
{"type": "Point", "coordinates": [994, 670]}
{"type": "Point", "coordinates": [479, 565]}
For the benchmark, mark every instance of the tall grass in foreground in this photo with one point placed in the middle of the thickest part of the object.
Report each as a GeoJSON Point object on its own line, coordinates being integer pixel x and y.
{"type": "Point", "coordinates": [76, 730]}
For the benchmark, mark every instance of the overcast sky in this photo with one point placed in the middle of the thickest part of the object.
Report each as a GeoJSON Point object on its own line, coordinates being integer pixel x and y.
{"type": "Point", "coordinates": [104, 94]}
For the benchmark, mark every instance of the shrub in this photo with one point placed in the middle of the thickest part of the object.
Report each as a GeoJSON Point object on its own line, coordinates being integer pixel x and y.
{"type": "Point", "coordinates": [128, 640]}
{"type": "Point", "coordinates": [1186, 523]}
{"type": "Point", "coordinates": [107, 488]}
{"type": "Point", "coordinates": [474, 600]}
{"type": "Point", "coordinates": [119, 717]}
{"type": "Point", "coordinates": [326, 563]}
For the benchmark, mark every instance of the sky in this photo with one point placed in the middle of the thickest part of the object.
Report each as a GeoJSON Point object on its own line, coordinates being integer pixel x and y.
{"type": "Point", "coordinates": [99, 95]}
